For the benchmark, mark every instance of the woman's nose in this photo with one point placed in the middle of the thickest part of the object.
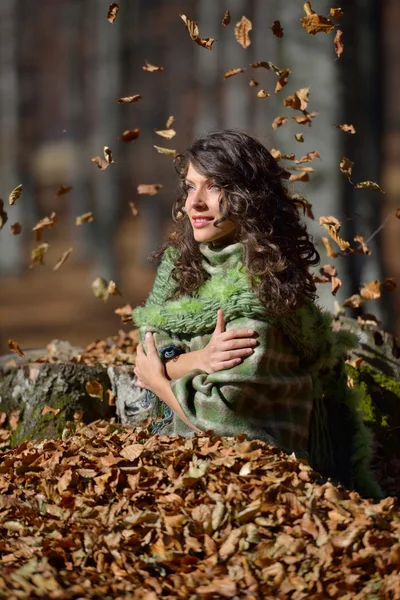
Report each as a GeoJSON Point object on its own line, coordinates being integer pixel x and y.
{"type": "Point", "coordinates": [197, 198]}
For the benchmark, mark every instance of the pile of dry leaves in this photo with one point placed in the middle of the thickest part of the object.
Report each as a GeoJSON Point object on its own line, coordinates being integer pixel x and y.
{"type": "Point", "coordinates": [111, 512]}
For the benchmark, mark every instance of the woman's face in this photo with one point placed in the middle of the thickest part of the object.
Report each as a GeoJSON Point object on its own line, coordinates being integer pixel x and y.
{"type": "Point", "coordinates": [202, 208]}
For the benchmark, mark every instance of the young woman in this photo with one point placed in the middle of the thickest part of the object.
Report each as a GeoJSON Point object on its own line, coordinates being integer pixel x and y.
{"type": "Point", "coordinates": [234, 340]}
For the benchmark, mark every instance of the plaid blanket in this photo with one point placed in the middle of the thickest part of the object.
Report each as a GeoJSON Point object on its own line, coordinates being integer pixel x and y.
{"type": "Point", "coordinates": [289, 392]}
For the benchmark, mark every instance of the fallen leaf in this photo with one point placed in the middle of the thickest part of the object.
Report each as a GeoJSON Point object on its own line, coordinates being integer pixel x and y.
{"type": "Point", "coordinates": [16, 229]}
{"type": "Point", "coordinates": [336, 283]}
{"type": "Point", "coordinates": [37, 254]}
{"type": "Point", "coordinates": [151, 68]}
{"type": "Point", "coordinates": [100, 288]}
{"type": "Point", "coordinates": [193, 29]}
{"type": "Point", "coordinates": [112, 12]}
{"type": "Point", "coordinates": [170, 122]}
{"type": "Point", "coordinates": [64, 481]}
{"type": "Point", "coordinates": [279, 121]}
{"type": "Point", "coordinates": [15, 194]}
{"type": "Point", "coordinates": [85, 218]}
{"type": "Point", "coordinates": [166, 133]}
{"type": "Point", "coordinates": [133, 209]}
{"type": "Point", "coordinates": [347, 128]}
{"type": "Point", "coordinates": [132, 452]}
{"type": "Point", "coordinates": [370, 185]}
{"type": "Point", "coordinates": [314, 23]}
{"type": "Point", "coordinates": [372, 290]}
{"type": "Point", "coordinates": [14, 347]}
{"type": "Point", "coordinates": [226, 19]}
{"type": "Point", "coordinates": [355, 301]}
{"type": "Point", "coordinates": [129, 135]}
{"type": "Point", "coordinates": [233, 72]}
{"type": "Point", "coordinates": [151, 189]}
{"type": "Point", "coordinates": [276, 29]}
{"type": "Point", "coordinates": [338, 42]}
{"type": "Point", "coordinates": [166, 151]}
{"type": "Point", "coordinates": [62, 190]}
{"type": "Point", "coordinates": [129, 99]}
{"type": "Point", "coordinates": [113, 290]}
{"type": "Point", "coordinates": [48, 409]}
{"type": "Point", "coordinates": [94, 389]}
{"type": "Point", "coordinates": [299, 137]}
{"type": "Point", "coordinates": [308, 157]}
{"type": "Point", "coordinates": [45, 222]}
{"type": "Point", "coordinates": [262, 94]}
{"type": "Point", "coordinates": [62, 260]}
{"type": "Point", "coordinates": [346, 166]}
{"type": "Point", "coordinates": [3, 215]}
{"type": "Point", "coordinates": [337, 13]}
{"type": "Point", "coordinates": [363, 246]}
{"type": "Point", "coordinates": [390, 284]}
{"type": "Point", "coordinates": [242, 29]}
{"type": "Point", "coordinates": [253, 83]}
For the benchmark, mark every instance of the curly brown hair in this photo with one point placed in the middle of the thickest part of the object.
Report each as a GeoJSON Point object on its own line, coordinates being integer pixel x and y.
{"type": "Point", "coordinates": [278, 249]}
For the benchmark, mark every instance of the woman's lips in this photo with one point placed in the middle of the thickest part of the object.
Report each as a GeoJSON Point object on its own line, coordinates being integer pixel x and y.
{"type": "Point", "coordinates": [199, 223]}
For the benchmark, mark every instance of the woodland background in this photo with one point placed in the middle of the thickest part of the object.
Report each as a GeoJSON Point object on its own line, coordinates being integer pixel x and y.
{"type": "Point", "coordinates": [63, 67]}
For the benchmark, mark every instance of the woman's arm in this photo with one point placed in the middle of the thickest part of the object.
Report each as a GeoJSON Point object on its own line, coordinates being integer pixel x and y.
{"type": "Point", "coordinates": [178, 367]}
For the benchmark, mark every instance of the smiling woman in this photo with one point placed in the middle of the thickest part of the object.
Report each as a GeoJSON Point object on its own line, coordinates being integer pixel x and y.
{"type": "Point", "coordinates": [237, 343]}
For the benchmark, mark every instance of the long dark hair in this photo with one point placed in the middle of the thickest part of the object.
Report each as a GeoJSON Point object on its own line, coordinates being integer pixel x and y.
{"type": "Point", "coordinates": [277, 247]}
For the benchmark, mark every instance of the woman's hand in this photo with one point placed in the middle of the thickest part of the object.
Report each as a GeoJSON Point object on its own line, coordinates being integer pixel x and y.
{"type": "Point", "coordinates": [149, 369]}
{"type": "Point", "coordinates": [226, 349]}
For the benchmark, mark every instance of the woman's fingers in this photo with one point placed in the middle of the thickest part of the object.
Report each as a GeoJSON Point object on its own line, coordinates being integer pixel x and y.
{"type": "Point", "coordinates": [232, 334]}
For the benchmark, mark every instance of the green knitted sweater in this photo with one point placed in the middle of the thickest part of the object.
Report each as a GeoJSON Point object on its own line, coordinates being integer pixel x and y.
{"type": "Point", "coordinates": [291, 392]}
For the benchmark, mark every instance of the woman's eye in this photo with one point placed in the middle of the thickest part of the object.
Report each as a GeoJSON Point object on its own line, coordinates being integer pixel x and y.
{"type": "Point", "coordinates": [214, 186]}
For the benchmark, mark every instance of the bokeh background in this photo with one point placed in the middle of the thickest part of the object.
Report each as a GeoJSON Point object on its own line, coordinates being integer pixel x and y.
{"type": "Point", "coordinates": [63, 67]}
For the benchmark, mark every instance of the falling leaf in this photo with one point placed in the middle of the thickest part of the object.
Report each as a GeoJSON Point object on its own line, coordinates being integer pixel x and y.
{"type": "Point", "coordinates": [332, 225]}
{"type": "Point", "coordinates": [193, 29]}
{"type": "Point", "coordinates": [130, 134]}
{"type": "Point", "coordinates": [371, 291]}
{"type": "Point", "coordinates": [336, 283]}
{"type": "Point", "coordinates": [253, 83]}
{"type": "Point", "coordinates": [346, 166]}
{"type": "Point", "coordinates": [124, 311]}
{"type": "Point", "coordinates": [37, 254]}
{"type": "Point", "coordinates": [346, 128]}
{"type": "Point", "coordinates": [112, 12]}
{"type": "Point", "coordinates": [62, 190]}
{"type": "Point", "coordinates": [299, 137]}
{"type": "Point", "coordinates": [233, 72]}
{"type": "Point", "coordinates": [133, 209]}
{"type": "Point", "coordinates": [85, 218]}
{"type": "Point", "coordinates": [170, 122]}
{"type": "Point", "coordinates": [390, 284]}
{"type": "Point", "coordinates": [151, 189]}
{"type": "Point", "coordinates": [242, 29]}
{"type": "Point", "coordinates": [15, 194]}
{"type": "Point", "coordinates": [355, 301]}
{"type": "Point", "coordinates": [368, 319]}
{"type": "Point", "coordinates": [276, 29]}
{"type": "Point", "coordinates": [305, 118]}
{"type": "Point", "coordinates": [100, 288]}
{"type": "Point", "coordinates": [314, 23]}
{"type": "Point", "coordinates": [48, 409]}
{"type": "Point", "coordinates": [167, 151]}
{"type": "Point", "coordinates": [262, 94]}
{"type": "Point", "coordinates": [100, 162]}
{"type": "Point", "coordinates": [299, 100]}
{"type": "Point", "coordinates": [16, 229]}
{"type": "Point", "coordinates": [3, 215]}
{"type": "Point", "coordinates": [62, 260]}
{"type": "Point", "coordinates": [338, 42]}
{"type": "Point", "coordinates": [151, 68]}
{"type": "Point", "coordinates": [14, 347]}
{"type": "Point", "coordinates": [277, 70]}
{"type": "Point", "coordinates": [363, 246]}
{"type": "Point", "coordinates": [94, 389]}
{"type": "Point", "coordinates": [336, 13]}
{"type": "Point", "coordinates": [302, 202]}
{"type": "Point", "coordinates": [45, 222]}
{"type": "Point", "coordinates": [331, 253]}
{"type": "Point", "coordinates": [279, 121]}
{"type": "Point", "coordinates": [279, 156]}
{"type": "Point", "coordinates": [331, 221]}
{"type": "Point", "coordinates": [113, 290]}
{"type": "Point", "coordinates": [226, 19]}
{"type": "Point", "coordinates": [370, 185]}
{"type": "Point", "coordinates": [261, 64]}
{"type": "Point", "coordinates": [308, 157]}
{"type": "Point", "coordinates": [282, 81]}
{"type": "Point", "coordinates": [166, 133]}
{"type": "Point", "coordinates": [303, 176]}
{"type": "Point", "coordinates": [129, 99]}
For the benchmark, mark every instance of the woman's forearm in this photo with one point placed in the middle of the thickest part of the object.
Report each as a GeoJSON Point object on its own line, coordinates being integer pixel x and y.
{"type": "Point", "coordinates": [182, 364]}
{"type": "Point", "coordinates": [166, 394]}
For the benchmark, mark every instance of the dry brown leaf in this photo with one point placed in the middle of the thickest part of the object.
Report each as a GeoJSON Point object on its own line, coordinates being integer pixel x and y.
{"type": "Point", "coordinates": [130, 134]}
{"type": "Point", "coordinates": [314, 23]}
{"type": "Point", "coordinates": [45, 222]}
{"type": "Point", "coordinates": [242, 30]}
{"type": "Point", "coordinates": [343, 245]}
{"type": "Point", "coordinates": [150, 189]}
{"type": "Point", "coordinates": [306, 118]}
{"type": "Point", "coordinates": [282, 81]}
{"type": "Point", "coordinates": [166, 133]}
{"type": "Point", "coordinates": [15, 195]}
{"type": "Point", "coordinates": [276, 29]}
{"type": "Point", "coordinates": [346, 166]}
{"type": "Point", "coordinates": [226, 19]}
{"type": "Point", "coordinates": [302, 176]}
{"type": "Point", "coordinates": [124, 311]}
{"type": "Point", "coordinates": [3, 215]}
{"type": "Point", "coordinates": [37, 254]}
{"type": "Point", "coordinates": [166, 151]}
{"type": "Point", "coordinates": [363, 246]}
{"type": "Point", "coordinates": [62, 190]}
{"type": "Point", "coordinates": [336, 13]}
{"type": "Point", "coordinates": [331, 222]}
{"type": "Point", "coordinates": [253, 83]}
{"type": "Point", "coordinates": [170, 122]}
{"type": "Point", "coordinates": [94, 389]}
{"type": "Point", "coordinates": [193, 29]}
{"type": "Point", "coordinates": [108, 155]}
{"type": "Point", "coordinates": [262, 94]}
{"type": "Point", "coordinates": [328, 271]}
{"type": "Point", "coordinates": [134, 210]}
{"type": "Point", "coordinates": [14, 347]}
{"type": "Point", "coordinates": [110, 398]}
{"type": "Point", "coordinates": [129, 99]}
{"type": "Point", "coordinates": [233, 72]}
{"type": "Point", "coordinates": [132, 452]}
{"type": "Point", "coordinates": [330, 252]}
{"type": "Point", "coordinates": [299, 137]}
{"type": "Point", "coordinates": [390, 284]}
{"type": "Point", "coordinates": [303, 203]}
{"type": "Point", "coordinates": [261, 64]}
{"type": "Point", "coordinates": [100, 288]}
{"type": "Point", "coordinates": [308, 157]}
{"type": "Point", "coordinates": [338, 43]}
{"type": "Point", "coordinates": [112, 12]}
{"type": "Point", "coordinates": [336, 283]}
{"type": "Point", "coordinates": [16, 229]}
{"type": "Point", "coordinates": [151, 68]}
{"type": "Point", "coordinates": [299, 100]}
{"type": "Point", "coordinates": [85, 218]}
{"type": "Point", "coordinates": [62, 259]}
{"type": "Point", "coordinates": [279, 121]}
{"type": "Point", "coordinates": [277, 154]}
{"type": "Point", "coordinates": [112, 289]}
{"type": "Point", "coordinates": [372, 290]}
{"type": "Point", "coordinates": [347, 128]}
{"type": "Point", "coordinates": [369, 185]}
{"type": "Point", "coordinates": [100, 162]}
{"type": "Point", "coordinates": [355, 301]}
{"type": "Point", "coordinates": [48, 409]}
